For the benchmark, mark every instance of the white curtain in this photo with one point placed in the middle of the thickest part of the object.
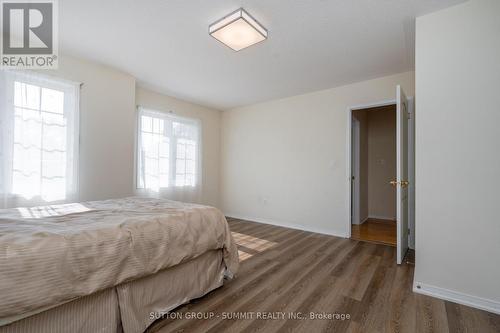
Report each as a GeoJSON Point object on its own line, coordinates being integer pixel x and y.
{"type": "Point", "coordinates": [168, 158]}
{"type": "Point", "coordinates": [38, 139]}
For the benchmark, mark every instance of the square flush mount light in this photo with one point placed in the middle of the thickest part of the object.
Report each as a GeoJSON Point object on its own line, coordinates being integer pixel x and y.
{"type": "Point", "coordinates": [238, 30]}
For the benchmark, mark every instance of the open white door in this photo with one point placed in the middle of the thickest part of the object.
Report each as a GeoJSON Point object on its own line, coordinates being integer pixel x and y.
{"type": "Point", "coordinates": [402, 173]}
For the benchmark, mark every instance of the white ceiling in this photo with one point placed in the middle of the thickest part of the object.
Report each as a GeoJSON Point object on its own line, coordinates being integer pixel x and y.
{"type": "Point", "coordinates": [312, 45]}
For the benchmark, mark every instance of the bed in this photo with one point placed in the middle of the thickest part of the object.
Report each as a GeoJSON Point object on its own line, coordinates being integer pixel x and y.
{"type": "Point", "coordinates": [108, 266]}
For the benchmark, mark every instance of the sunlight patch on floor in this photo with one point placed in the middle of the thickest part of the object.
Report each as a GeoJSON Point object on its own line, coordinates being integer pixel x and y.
{"type": "Point", "coordinates": [253, 244]}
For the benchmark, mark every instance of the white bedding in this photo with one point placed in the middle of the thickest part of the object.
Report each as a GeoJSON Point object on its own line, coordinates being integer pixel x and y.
{"type": "Point", "coordinates": [52, 254]}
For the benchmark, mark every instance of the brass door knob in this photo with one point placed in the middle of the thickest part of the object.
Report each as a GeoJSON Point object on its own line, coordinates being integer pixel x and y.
{"type": "Point", "coordinates": [403, 183]}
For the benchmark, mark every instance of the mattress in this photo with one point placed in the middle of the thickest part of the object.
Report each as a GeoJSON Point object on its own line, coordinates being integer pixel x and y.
{"type": "Point", "coordinates": [145, 300]}
{"type": "Point", "coordinates": [98, 312]}
{"type": "Point", "coordinates": [132, 306]}
{"type": "Point", "coordinates": [51, 255]}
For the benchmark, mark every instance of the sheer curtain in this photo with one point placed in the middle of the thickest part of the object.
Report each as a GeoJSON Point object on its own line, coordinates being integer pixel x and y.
{"type": "Point", "coordinates": [168, 158]}
{"type": "Point", "coordinates": [38, 139]}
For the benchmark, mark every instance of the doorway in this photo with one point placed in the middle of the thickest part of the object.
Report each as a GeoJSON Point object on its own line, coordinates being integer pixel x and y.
{"type": "Point", "coordinates": [368, 225]}
{"type": "Point", "coordinates": [373, 168]}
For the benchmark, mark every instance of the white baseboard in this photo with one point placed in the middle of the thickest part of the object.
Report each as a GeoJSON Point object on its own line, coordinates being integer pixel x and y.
{"type": "Point", "coordinates": [288, 225]}
{"type": "Point", "coordinates": [457, 297]}
{"type": "Point", "coordinates": [377, 217]}
{"type": "Point", "coordinates": [366, 219]}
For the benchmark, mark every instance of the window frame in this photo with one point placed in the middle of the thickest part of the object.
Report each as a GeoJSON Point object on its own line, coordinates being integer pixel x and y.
{"type": "Point", "coordinates": [72, 129]}
{"type": "Point", "coordinates": [171, 117]}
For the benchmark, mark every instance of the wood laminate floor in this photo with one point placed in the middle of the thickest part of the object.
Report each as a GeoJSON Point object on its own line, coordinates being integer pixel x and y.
{"type": "Point", "coordinates": [291, 272]}
{"type": "Point", "coordinates": [376, 231]}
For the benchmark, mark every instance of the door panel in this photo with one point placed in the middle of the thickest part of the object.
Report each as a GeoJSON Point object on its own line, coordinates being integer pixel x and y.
{"type": "Point", "coordinates": [402, 173]}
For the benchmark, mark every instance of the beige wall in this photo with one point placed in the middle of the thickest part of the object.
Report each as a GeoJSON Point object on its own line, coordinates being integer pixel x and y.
{"type": "Point", "coordinates": [381, 162]}
{"type": "Point", "coordinates": [210, 122]}
{"type": "Point", "coordinates": [457, 159]}
{"type": "Point", "coordinates": [284, 161]}
{"type": "Point", "coordinates": [108, 124]}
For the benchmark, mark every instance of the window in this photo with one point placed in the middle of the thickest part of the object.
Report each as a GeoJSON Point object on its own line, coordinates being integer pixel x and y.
{"type": "Point", "coordinates": [38, 153]}
{"type": "Point", "coordinates": [168, 151]}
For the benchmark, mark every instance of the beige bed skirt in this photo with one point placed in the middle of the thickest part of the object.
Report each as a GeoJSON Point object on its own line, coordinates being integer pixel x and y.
{"type": "Point", "coordinates": [130, 307]}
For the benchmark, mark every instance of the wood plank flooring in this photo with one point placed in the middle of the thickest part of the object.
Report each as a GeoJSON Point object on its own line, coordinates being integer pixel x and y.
{"type": "Point", "coordinates": [290, 272]}
{"type": "Point", "coordinates": [376, 231]}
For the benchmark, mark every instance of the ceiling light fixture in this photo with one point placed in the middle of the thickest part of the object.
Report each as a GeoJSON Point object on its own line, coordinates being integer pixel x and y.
{"type": "Point", "coordinates": [238, 30]}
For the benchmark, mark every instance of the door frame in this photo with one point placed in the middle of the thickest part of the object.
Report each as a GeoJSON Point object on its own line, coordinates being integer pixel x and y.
{"type": "Point", "coordinates": [349, 153]}
{"type": "Point", "coordinates": [355, 162]}
{"type": "Point", "coordinates": [411, 174]}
